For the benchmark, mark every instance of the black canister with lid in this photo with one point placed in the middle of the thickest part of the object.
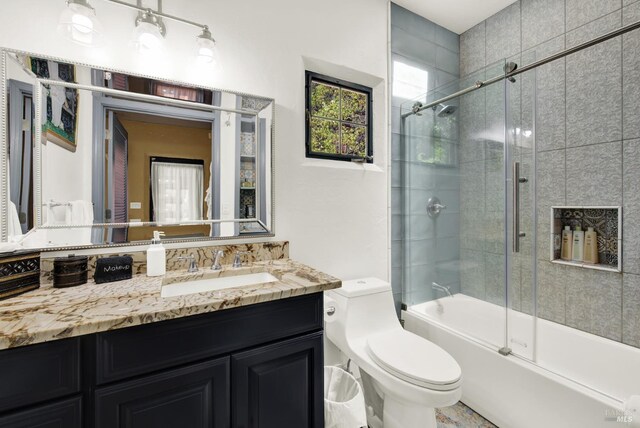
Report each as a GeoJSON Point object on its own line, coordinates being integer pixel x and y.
{"type": "Point", "coordinates": [70, 271]}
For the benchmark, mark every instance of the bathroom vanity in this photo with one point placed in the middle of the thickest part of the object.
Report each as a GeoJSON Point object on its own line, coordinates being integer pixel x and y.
{"type": "Point", "coordinates": [120, 355]}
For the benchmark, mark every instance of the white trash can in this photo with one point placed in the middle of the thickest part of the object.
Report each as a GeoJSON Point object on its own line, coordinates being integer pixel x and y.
{"type": "Point", "coordinates": [343, 400]}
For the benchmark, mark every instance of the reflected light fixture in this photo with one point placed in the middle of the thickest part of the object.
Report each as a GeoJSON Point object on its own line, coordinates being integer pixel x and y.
{"type": "Point", "coordinates": [148, 35]}
{"type": "Point", "coordinates": [206, 51]}
{"type": "Point", "coordinates": [78, 22]}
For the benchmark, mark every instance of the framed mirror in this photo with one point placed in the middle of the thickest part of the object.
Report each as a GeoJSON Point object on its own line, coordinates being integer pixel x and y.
{"type": "Point", "coordinates": [98, 157]}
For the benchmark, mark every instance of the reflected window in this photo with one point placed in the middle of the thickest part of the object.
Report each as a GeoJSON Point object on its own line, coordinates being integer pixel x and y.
{"type": "Point", "coordinates": [409, 82]}
{"type": "Point", "coordinates": [338, 119]}
{"type": "Point", "coordinates": [177, 188]}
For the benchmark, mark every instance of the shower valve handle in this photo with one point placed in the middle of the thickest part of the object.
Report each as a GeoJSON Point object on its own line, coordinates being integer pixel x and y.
{"type": "Point", "coordinates": [434, 207]}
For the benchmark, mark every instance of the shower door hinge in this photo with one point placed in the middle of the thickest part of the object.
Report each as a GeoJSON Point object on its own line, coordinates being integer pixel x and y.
{"type": "Point", "coordinates": [504, 351]}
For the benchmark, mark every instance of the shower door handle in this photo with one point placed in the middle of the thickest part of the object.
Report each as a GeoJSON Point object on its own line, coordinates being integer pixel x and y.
{"type": "Point", "coordinates": [517, 180]}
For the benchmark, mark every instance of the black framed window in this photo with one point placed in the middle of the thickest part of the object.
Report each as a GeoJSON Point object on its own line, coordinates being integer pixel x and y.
{"type": "Point", "coordinates": [338, 119]}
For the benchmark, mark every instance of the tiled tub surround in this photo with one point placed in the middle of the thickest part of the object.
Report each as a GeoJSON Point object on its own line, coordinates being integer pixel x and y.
{"type": "Point", "coordinates": [588, 151]}
{"type": "Point", "coordinates": [49, 314]}
{"type": "Point", "coordinates": [262, 251]}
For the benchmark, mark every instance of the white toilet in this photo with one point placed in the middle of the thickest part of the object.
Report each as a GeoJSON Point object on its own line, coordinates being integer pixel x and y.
{"type": "Point", "coordinates": [412, 375]}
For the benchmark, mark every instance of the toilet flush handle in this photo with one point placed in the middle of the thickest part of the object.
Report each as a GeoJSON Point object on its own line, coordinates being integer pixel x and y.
{"type": "Point", "coordinates": [331, 310]}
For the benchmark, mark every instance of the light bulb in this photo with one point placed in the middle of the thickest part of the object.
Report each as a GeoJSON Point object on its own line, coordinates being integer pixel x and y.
{"type": "Point", "coordinates": [79, 24]}
{"type": "Point", "coordinates": [148, 35]}
{"type": "Point", "coordinates": [82, 23]}
{"type": "Point", "coordinates": [206, 51]}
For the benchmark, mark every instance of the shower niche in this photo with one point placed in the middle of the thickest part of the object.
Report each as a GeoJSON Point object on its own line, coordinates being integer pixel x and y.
{"type": "Point", "coordinates": [605, 221]}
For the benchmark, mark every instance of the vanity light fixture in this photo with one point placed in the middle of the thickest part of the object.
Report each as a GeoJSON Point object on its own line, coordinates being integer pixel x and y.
{"type": "Point", "coordinates": [78, 22]}
{"type": "Point", "coordinates": [148, 35]}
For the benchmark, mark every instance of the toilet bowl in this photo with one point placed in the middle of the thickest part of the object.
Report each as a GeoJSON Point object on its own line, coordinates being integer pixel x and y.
{"type": "Point", "coordinates": [413, 375]}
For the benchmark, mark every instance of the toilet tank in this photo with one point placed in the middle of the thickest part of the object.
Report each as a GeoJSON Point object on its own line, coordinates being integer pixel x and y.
{"type": "Point", "coordinates": [362, 287]}
{"type": "Point", "coordinates": [362, 306]}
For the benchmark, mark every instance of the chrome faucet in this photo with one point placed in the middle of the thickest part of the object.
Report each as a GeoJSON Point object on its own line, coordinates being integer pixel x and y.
{"type": "Point", "coordinates": [217, 255]}
{"type": "Point", "coordinates": [237, 260]}
{"type": "Point", "coordinates": [442, 288]}
{"type": "Point", "coordinates": [193, 266]}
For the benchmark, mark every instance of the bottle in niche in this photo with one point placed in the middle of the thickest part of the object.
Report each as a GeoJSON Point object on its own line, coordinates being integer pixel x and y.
{"type": "Point", "coordinates": [591, 246]}
{"type": "Point", "coordinates": [567, 243]}
{"type": "Point", "coordinates": [578, 245]}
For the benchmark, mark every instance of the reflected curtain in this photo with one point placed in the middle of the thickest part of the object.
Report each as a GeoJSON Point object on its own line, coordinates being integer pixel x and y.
{"type": "Point", "coordinates": [177, 191]}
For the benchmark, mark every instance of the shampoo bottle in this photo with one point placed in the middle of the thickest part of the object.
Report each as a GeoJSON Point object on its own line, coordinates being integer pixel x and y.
{"type": "Point", "coordinates": [156, 256]}
{"type": "Point", "coordinates": [567, 243]}
{"type": "Point", "coordinates": [591, 246]}
{"type": "Point", "coordinates": [578, 245]}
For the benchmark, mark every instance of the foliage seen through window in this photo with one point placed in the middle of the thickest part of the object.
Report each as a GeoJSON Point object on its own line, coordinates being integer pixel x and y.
{"type": "Point", "coordinates": [339, 119]}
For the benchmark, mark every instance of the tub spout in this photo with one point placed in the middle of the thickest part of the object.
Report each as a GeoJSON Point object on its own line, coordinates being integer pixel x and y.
{"type": "Point", "coordinates": [442, 288]}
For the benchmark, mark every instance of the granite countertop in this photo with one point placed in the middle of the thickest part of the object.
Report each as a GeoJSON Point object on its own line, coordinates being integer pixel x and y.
{"type": "Point", "coordinates": [55, 313]}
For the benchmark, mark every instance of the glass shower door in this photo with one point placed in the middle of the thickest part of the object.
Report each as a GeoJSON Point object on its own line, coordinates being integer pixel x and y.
{"type": "Point", "coordinates": [483, 239]}
{"type": "Point", "coordinates": [461, 263]}
{"type": "Point", "coordinates": [520, 96]}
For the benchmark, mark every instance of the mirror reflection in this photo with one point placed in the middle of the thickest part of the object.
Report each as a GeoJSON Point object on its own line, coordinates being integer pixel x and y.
{"type": "Point", "coordinates": [125, 155]}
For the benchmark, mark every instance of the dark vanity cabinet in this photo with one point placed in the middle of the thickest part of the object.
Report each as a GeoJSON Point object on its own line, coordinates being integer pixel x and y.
{"type": "Point", "coordinates": [287, 376]}
{"type": "Point", "coordinates": [258, 366]}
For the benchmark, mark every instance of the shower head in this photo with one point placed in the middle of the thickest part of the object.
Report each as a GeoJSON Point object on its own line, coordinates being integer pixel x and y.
{"type": "Point", "coordinates": [447, 110]}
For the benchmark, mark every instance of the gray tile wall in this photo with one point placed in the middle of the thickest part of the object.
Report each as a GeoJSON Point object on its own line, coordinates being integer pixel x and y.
{"type": "Point", "coordinates": [422, 250]}
{"type": "Point", "coordinates": [588, 152]}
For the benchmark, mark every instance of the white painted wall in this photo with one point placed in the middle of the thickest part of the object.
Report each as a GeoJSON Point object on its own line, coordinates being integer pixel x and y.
{"type": "Point", "coordinates": [334, 214]}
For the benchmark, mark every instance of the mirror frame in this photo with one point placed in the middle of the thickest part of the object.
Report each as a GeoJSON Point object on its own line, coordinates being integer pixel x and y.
{"type": "Point", "coordinates": [37, 153]}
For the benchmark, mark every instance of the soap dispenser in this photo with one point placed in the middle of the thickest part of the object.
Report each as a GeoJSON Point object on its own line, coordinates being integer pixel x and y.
{"type": "Point", "coordinates": [156, 256]}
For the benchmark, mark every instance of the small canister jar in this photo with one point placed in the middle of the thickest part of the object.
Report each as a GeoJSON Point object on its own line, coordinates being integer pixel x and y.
{"type": "Point", "coordinates": [70, 271]}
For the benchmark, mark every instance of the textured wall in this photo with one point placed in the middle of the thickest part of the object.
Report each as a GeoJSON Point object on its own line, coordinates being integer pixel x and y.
{"type": "Point", "coordinates": [588, 152]}
{"type": "Point", "coordinates": [422, 250]}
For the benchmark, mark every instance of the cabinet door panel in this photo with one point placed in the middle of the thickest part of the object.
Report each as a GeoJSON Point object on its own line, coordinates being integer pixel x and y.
{"type": "Point", "coordinates": [63, 414]}
{"type": "Point", "coordinates": [39, 372]}
{"type": "Point", "coordinates": [279, 385]}
{"type": "Point", "coordinates": [196, 397]}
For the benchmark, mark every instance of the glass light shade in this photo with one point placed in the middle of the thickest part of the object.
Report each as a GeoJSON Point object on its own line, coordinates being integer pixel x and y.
{"type": "Point", "coordinates": [147, 37]}
{"type": "Point", "coordinates": [78, 23]}
{"type": "Point", "coordinates": [206, 51]}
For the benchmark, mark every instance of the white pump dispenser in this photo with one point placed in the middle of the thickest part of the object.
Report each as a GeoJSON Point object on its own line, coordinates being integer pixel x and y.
{"type": "Point", "coordinates": [156, 256]}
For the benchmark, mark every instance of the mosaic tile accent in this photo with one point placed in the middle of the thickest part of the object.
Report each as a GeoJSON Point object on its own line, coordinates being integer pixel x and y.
{"type": "Point", "coordinates": [247, 144]}
{"type": "Point", "coordinates": [603, 220]}
{"type": "Point", "coordinates": [257, 104]}
{"type": "Point", "coordinates": [461, 416]}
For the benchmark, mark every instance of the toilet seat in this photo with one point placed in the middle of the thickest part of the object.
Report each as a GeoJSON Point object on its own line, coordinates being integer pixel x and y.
{"type": "Point", "coordinates": [414, 359]}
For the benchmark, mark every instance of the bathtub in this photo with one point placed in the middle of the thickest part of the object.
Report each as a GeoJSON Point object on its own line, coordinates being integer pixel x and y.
{"type": "Point", "coordinates": [556, 377]}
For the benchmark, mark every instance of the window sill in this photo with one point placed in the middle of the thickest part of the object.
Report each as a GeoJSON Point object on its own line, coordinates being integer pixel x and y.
{"type": "Point", "coordinates": [335, 164]}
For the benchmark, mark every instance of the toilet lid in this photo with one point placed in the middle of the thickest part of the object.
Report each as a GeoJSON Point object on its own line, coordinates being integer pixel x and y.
{"type": "Point", "coordinates": [414, 359]}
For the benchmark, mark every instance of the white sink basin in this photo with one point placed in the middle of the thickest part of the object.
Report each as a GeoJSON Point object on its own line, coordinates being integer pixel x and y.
{"type": "Point", "coordinates": [215, 284]}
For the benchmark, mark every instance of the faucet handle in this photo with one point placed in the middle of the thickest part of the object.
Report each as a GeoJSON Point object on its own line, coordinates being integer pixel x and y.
{"type": "Point", "coordinates": [237, 260]}
{"type": "Point", "coordinates": [193, 266]}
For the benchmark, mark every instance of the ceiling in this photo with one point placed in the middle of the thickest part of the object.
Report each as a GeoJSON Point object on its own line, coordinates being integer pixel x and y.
{"type": "Point", "coordinates": [455, 15]}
